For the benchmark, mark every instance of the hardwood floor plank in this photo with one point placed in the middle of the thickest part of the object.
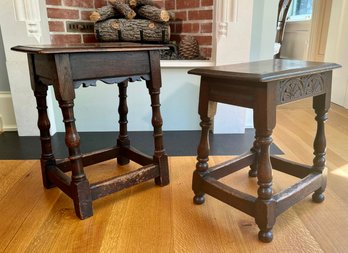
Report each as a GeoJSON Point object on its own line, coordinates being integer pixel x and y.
{"type": "Point", "coordinates": [19, 204]}
{"type": "Point", "coordinates": [144, 223]}
{"type": "Point", "coordinates": [33, 223]}
{"type": "Point", "coordinates": [11, 172]}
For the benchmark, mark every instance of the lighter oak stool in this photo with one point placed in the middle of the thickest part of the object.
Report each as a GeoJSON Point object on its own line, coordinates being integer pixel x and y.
{"type": "Point", "coordinates": [67, 67]}
{"type": "Point", "coordinates": [263, 86]}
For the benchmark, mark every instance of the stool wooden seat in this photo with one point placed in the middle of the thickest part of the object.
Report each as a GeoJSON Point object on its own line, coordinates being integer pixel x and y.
{"type": "Point", "coordinates": [66, 67]}
{"type": "Point", "coordinates": [262, 86]}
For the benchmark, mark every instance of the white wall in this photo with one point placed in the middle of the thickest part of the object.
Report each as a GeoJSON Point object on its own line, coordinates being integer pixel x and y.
{"type": "Point", "coordinates": [234, 48]}
{"type": "Point", "coordinates": [337, 51]}
{"type": "Point", "coordinates": [96, 107]}
{"type": "Point", "coordinates": [7, 117]}
{"type": "Point", "coordinates": [262, 37]}
{"type": "Point", "coordinates": [263, 29]}
{"type": "Point", "coordinates": [4, 84]}
{"type": "Point", "coordinates": [14, 33]}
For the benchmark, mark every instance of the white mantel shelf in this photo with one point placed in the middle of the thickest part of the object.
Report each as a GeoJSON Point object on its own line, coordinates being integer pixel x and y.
{"type": "Point", "coordinates": [186, 63]}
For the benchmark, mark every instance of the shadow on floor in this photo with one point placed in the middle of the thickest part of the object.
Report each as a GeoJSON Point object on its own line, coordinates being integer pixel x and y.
{"type": "Point", "coordinates": [177, 143]}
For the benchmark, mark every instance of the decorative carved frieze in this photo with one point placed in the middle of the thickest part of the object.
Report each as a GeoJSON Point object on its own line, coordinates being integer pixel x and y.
{"type": "Point", "coordinates": [87, 83]}
{"type": "Point", "coordinates": [300, 87]}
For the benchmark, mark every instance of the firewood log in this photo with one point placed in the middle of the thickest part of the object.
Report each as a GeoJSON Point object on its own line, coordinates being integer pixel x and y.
{"type": "Point", "coordinates": [131, 3]}
{"type": "Point", "coordinates": [153, 13]}
{"type": "Point", "coordinates": [136, 30]}
{"type": "Point", "coordinates": [125, 9]}
{"type": "Point", "coordinates": [171, 15]}
{"type": "Point", "coordinates": [145, 2]}
{"type": "Point", "coordinates": [104, 13]}
{"type": "Point", "coordinates": [112, 2]}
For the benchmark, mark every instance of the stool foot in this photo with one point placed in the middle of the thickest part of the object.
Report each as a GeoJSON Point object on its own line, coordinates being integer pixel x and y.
{"type": "Point", "coordinates": [318, 197]}
{"type": "Point", "coordinates": [45, 166]}
{"type": "Point", "coordinates": [161, 181]}
{"type": "Point", "coordinates": [252, 173]}
{"type": "Point", "coordinates": [266, 236]}
{"type": "Point", "coordinates": [199, 199]}
{"type": "Point", "coordinates": [122, 160]}
{"type": "Point", "coordinates": [82, 199]}
{"type": "Point", "coordinates": [163, 178]}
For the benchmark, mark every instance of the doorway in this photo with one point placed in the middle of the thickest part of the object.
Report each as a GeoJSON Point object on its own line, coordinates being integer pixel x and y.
{"type": "Point", "coordinates": [306, 30]}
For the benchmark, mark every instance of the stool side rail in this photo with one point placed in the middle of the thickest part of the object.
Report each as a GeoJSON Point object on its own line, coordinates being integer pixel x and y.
{"type": "Point", "coordinates": [118, 183]}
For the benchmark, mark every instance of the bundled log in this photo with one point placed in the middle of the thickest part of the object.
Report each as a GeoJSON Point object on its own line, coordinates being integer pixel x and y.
{"type": "Point", "coordinates": [115, 22]}
{"type": "Point", "coordinates": [131, 3]}
{"type": "Point", "coordinates": [153, 13]}
{"type": "Point", "coordinates": [171, 15]}
{"type": "Point", "coordinates": [104, 13]}
{"type": "Point", "coordinates": [137, 30]}
{"type": "Point", "coordinates": [145, 2]}
{"type": "Point", "coordinates": [125, 10]}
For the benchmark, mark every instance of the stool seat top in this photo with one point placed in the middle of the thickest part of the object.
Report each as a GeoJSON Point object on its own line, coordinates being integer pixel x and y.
{"type": "Point", "coordinates": [265, 71]}
{"type": "Point", "coordinates": [88, 47]}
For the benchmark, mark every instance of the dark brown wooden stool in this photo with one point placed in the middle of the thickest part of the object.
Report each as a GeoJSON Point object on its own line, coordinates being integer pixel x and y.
{"type": "Point", "coordinates": [67, 67]}
{"type": "Point", "coordinates": [262, 86]}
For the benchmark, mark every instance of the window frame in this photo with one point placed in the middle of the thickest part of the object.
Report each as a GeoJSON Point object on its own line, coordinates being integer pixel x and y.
{"type": "Point", "coordinates": [301, 17]}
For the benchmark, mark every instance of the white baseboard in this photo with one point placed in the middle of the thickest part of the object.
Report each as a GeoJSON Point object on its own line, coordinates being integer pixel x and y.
{"type": "Point", "coordinates": [7, 115]}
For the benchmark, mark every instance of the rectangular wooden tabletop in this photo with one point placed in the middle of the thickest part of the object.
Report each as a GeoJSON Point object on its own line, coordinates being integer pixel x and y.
{"type": "Point", "coordinates": [88, 47]}
{"type": "Point", "coordinates": [265, 71]}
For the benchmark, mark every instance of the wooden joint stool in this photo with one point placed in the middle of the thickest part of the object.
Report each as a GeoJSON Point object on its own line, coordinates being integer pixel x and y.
{"type": "Point", "coordinates": [262, 86]}
{"type": "Point", "coordinates": [66, 67]}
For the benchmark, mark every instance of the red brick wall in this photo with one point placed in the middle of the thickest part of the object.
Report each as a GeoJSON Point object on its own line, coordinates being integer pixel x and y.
{"type": "Point", "coordinates": [193, 17]}
{"type": "Point", "coordinates": [60, 11]}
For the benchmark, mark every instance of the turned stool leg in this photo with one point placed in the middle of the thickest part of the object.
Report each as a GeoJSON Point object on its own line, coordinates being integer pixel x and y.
{"type": "Point", "coordinates": [154, 86]}
{"type": "Point", "coordinates": [47, 157]}
{"type": "Point", "coordinates": [123, 139]}
{"type": "Point", "coordinates": [202, 158]}
{"type": "Point", "coordinates": [206, 110]}
{"type": "Point", "coordinates": [254, 165]}
{"type": "Point", "coordinates": [80, 188]}
{"type": "Point", "coordinates": [160, 157]}
{"type": "Point", "coordinates": [265, 216]}
{"type": "Point", "coordinates": [320, 144]}
{"type": "Point", "coordinates": [264, 122]}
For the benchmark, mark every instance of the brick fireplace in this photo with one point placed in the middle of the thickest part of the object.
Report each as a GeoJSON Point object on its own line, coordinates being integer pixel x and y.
{"type": "Point", "coordinates": [193, 17]}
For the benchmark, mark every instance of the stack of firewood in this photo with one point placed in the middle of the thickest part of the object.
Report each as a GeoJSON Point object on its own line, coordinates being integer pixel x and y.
{"type": "Point", "coordinates": [132, 20]}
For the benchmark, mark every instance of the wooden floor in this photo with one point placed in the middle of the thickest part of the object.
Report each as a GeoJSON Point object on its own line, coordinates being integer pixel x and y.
{"type": "Point", "coordinates": [148, 218]}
